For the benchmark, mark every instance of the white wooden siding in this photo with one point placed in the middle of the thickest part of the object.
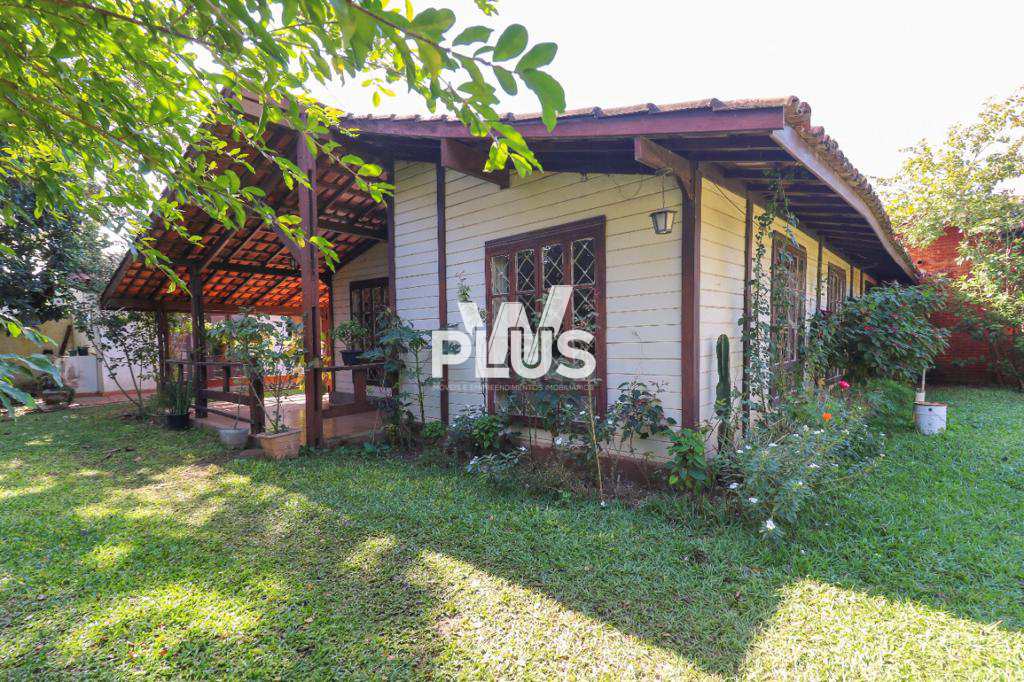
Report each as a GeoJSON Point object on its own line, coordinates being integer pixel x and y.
{"type": "Point", "coordinates": [643, 270]}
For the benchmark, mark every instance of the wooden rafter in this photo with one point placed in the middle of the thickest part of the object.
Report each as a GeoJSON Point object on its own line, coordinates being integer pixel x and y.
{"type": "Point", "coordinates": [471, 161]}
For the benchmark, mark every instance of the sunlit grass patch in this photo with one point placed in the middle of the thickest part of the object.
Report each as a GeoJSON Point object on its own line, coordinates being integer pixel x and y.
{"type": "Point", "coordinates": [128, 553]}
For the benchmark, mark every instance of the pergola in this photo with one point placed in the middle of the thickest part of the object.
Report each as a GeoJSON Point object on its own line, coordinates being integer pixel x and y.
{"type": "Point", "coordinates": [258, 268]}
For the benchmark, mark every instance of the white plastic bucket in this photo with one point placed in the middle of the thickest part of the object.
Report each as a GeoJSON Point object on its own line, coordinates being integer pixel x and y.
{"type": "Point", "coordinates": [930, 418]}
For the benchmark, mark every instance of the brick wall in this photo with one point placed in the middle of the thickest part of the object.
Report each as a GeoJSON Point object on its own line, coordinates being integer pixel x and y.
{"type": "Point", "coordinates": [959, 364]}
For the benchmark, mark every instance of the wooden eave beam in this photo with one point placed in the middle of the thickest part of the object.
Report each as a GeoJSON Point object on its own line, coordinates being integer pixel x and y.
{"type": "Point", "coordinates": [471, 161]}
{"type": "Point", "coordinates": [341, 228]}
{"type": "Point", "coordinates": [654, 156]}
{"type": "Point", "coordinates": [789, 140]}
{"type": "Point", "coordinates": [697, 121]}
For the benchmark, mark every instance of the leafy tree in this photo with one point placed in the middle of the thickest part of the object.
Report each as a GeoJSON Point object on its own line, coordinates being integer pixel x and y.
{"type": "Point", "coordinates": [101, 101]}
{"type": "Point", "coordinates": [51, 257]}
{"type": "Point", "coordinates": [123, 340]}
{"type": "Point", "coordinates": [968, 182]}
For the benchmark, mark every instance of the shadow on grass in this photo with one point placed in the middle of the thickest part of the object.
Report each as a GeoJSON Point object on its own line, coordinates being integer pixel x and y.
{"type": "Point", "coordinates": [323, 566]}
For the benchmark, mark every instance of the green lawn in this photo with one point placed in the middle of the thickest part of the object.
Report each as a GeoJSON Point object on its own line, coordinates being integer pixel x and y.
{"type": "Point", "coordinates": [130, 551]}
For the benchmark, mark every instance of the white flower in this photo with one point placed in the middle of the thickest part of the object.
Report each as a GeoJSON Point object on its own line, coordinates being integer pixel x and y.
{"type": "Point", "coordinates": [733, 486]}
{"type": "Point", "coordinates": [773, 445]}
{"type": "Point", "coordinates": [769, 524]}
{"type": "Point", "coordinates": [813, 465]}
{"type": "Point", "coordinates": [752, 500]}
{"type": "Point", "coordinates": [559, 440]}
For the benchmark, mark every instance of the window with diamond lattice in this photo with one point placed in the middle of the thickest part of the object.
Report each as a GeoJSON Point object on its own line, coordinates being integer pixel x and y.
{"type": "Point", "coordinates": [367, 299]}
{"type": "Point", "coordinates": [789, 300]}
{"type": "Point", "coordinates": [524, 268]}
{"type": "Point", "coordinates": [836, 288]}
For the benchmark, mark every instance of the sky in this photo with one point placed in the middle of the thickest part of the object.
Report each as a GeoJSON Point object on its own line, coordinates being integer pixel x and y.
{"type": "Point", "coordinates": [879, 76]}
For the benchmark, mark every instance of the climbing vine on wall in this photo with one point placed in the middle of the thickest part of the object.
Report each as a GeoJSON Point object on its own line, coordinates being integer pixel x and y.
{"type": "Point", "coordinates": [767, 293]}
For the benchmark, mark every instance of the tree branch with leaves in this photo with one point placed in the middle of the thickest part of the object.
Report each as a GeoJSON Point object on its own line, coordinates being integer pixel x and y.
{"type": "Point", "coordinates": [102, 102]}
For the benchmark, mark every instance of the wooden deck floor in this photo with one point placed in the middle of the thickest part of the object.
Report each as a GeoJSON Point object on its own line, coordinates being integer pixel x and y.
{"type": "Point", "coordinates": [352, 427]}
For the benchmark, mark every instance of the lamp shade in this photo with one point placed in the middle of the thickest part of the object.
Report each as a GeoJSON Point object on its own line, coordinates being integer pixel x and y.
{"type": "Point", "coordinates": [662, 220]}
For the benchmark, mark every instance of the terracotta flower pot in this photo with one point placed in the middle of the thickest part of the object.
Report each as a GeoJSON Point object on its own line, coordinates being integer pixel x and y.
{"type": "Point", "coordinates": [283, 445]}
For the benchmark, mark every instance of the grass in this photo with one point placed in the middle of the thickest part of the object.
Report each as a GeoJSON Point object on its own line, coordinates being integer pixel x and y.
{"type": "Point", "coordinates": [128, 551]}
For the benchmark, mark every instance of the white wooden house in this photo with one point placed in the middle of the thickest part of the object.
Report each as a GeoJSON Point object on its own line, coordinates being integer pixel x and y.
{"type": "Point", "coordinates": [662, 300]}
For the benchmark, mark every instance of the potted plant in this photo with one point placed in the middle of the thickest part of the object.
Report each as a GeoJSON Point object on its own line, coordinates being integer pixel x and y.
{"type": "Point", "coordinates": [270, 356]}
{"type": "Point", "coordinates": [53, 393]}
{"type": "Point", "coordinates": [282, 356]}
{"type": "Point", "coordinates": [352, 334]}
{"type": "Point", "coordinates": [178, 398]}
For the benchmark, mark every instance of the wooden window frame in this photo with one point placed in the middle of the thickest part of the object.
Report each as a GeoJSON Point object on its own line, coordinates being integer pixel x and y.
{"type": "Point", "coordinates": [564, 234]}
{"type": "Point", "coordinates": [374, 378]}
{"type": "Point", "coordinates": [832, 304]}
{"type": "Point", "coordinates": [780, 243]}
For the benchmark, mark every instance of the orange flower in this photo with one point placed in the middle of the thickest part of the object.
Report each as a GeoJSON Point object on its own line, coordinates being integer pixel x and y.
{"type": "Point", "coordinates": [827, 416]}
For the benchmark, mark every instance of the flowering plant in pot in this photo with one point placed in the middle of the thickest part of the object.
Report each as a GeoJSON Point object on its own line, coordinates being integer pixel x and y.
{"type": "Point", "coordinates": [351, 333]}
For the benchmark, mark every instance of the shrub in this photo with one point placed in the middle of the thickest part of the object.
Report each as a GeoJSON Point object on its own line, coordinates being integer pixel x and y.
{"type": "Point", "coordinates": [433, 432]}
{"type": "Point", "coordinates": [689, 466]}
{"type": "Point", "coordinates": [473, 433]}
{"type": "Point", "coordinates": [884, 333]}
{"type": "Point", "coordinates": [497, 467]}
{"type": "Point", "coordinates": [820, 438]}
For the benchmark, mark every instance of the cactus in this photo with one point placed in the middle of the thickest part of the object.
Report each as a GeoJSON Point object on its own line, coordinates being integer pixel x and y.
{"type": "Point", "coordinates": [723, 392]}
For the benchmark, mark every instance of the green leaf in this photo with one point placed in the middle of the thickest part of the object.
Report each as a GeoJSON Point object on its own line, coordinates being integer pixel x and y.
{"type": "Point", "coordinates": [17, 394]}
{"type": "Point", "coordinates": [549, 92]}
{"type": "Point", "coordinates": [511, 43]}
{"type": "Point", "coordinates": [539, 55]}
{"type": "Point", "coordinates": [434, 22]}
{"type": "Point", "coordinates": [506, 80]}
{"type": "Point", "coordinates": [288, 11]}
{"type": "Point", "coordinates": [473, 34]}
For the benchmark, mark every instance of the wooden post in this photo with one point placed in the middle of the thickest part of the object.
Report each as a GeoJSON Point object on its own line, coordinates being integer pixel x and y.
{"type": "Point", "coordinates": [817, 281]}
{"type": "Point", "coordinates": [162, 346]}
{"type": "Point", "coordinates": [851, 280]}
{"type": "Point", "coordinates": [195, 285]}
{"type": "Point", "coordinates": [329, 321]}
{"type": "Point", "coordinates": [389, 211]}
{"type": "Point", "coordinates": [690, 312]}
{"type": "Point", "coordinates": [442, 280]}
{"type": "Point", "coordinates": [257, 419]}
{"type": "Point", "coordinates": [359, 386]}
{"type": "Point", "coordinates": [309, 266]}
